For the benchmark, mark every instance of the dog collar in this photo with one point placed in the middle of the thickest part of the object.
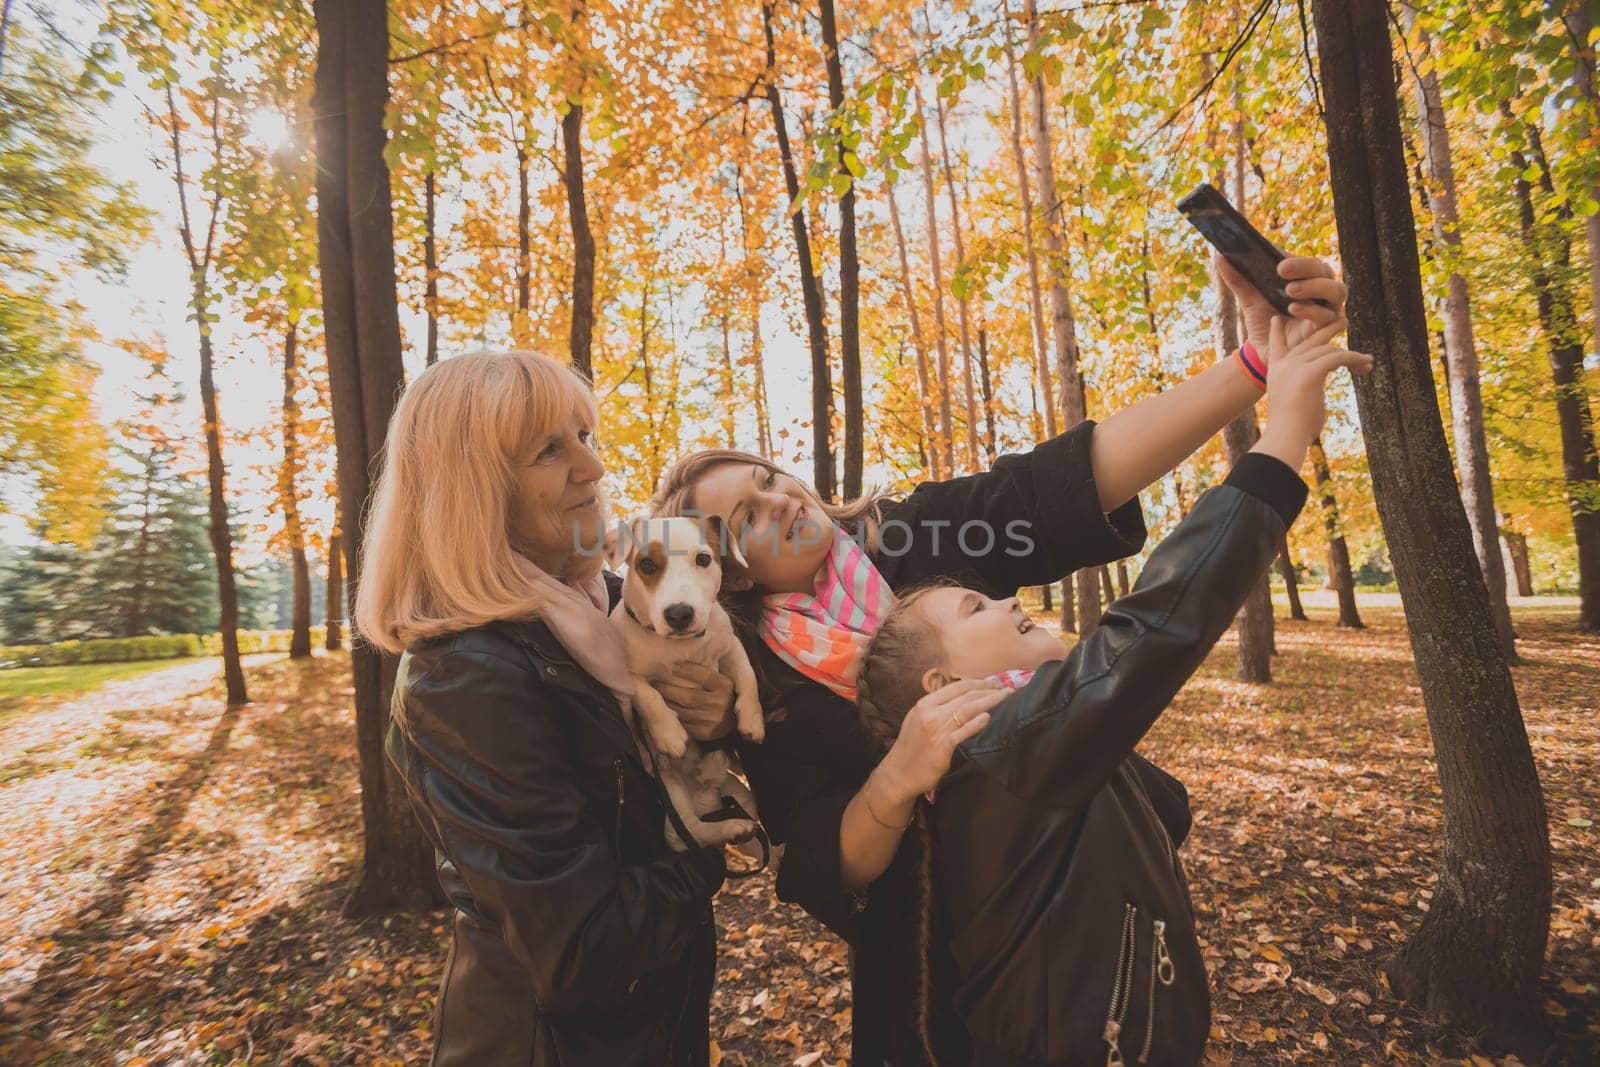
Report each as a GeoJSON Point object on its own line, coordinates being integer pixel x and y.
{"type": "Point", "coordinates": [670, 637]}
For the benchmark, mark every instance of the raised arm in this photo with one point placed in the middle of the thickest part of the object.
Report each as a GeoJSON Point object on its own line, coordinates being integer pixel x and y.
{"type": "Point", "coordinates": [1134, 447]}
{"type": "Point", "coordinates": [1058, 740]}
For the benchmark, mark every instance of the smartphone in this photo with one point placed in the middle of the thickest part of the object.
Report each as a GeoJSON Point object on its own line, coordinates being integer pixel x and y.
{"type": "Point", "coordinates": [1240, 243]}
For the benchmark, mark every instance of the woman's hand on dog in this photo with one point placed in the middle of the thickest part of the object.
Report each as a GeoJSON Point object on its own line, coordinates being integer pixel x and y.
{"type": "Point", "coordinates": [702, 698]}
{"type": "Point", "coordinates": [933, 728]}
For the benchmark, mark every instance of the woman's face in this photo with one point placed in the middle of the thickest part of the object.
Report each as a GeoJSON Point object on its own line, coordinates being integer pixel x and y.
{"type": "Point", "coordinates": [777, 524]}
{"type": "Point", "coordinates": [982, 636]}
{"type": "Point", "coordinates": [556, 504]}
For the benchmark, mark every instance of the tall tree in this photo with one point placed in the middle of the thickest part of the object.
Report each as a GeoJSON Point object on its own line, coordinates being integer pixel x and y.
{"type": "Point", "coordinates": [945, 441]}
{"type": "Point", "coordinates": [963, 302]}
{"type": "Point", "coordinates": [1073, 405]}
{"type": "Point", "coordinates": [1579, 23]}
{"type": "Point", "coordinates": [1291, 582]}
{"type": "Point", "coordinates": [1041, 345]}
{"type": "Point", "coordinates": [333, 610]}
{"type": "Point", "coordinates": [289, 496]}
{"type": "Point", "coordinates": [1460, 347]}
{"type": "Point", "coordinates": [1241, 433]}
{"type": "Point", "coordinates": [1548, 256]}
{"type": "Point", "coordinates": [361, 320]}
{"type": "Point", "coordinates": [1478, 952]}
{"type": "Point", "coordinates": [580, 340]}
{"type": "Point", "coordinates": [199, 248]}
{"type": "Point", "coordinates": [1339, 573]}
{"type": "Point", "coordinates": [849, 168]}
{"type": "Point", "coordinates": [919, 345]}
{"type": "Point", "coordinates": [822, 468]}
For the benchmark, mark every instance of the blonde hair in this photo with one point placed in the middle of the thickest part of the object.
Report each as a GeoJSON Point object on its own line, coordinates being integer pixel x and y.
{"type": "Point", "coordinates": [437, 556]}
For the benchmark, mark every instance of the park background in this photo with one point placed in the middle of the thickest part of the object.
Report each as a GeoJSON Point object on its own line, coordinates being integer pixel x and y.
{"type": "Point", "coordinates": [878, 242]}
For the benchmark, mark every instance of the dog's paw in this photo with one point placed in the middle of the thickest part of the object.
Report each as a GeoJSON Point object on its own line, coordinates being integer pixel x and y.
{"type": "Point", "coordinates": [669, 738]}
{"type": "Point", "coordinates": [752, 726]}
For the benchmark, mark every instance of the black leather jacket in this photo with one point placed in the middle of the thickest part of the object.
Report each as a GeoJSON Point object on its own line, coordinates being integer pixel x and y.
{"type": "Point", "coordinates": [579, 937]}
{"type": "Point", "coordinates": [1055, 848]}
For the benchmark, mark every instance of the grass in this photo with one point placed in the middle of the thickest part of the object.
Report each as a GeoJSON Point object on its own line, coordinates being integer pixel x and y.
{"type": "Point", "coordinates": [21, 684]}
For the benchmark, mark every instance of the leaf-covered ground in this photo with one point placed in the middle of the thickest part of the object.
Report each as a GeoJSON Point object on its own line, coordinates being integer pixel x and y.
{"type": "Point", "coordinates": [174, 871]}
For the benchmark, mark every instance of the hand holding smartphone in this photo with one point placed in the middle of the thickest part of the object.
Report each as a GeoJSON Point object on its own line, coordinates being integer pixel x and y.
{"type": "Point", "coordinates": [1240, 243]}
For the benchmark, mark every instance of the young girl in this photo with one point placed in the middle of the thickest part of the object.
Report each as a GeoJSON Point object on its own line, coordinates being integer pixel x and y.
{"type": "Point", "coordinates": [1049, 857]}
{"type": "Point", "coordinates": [824, 786]}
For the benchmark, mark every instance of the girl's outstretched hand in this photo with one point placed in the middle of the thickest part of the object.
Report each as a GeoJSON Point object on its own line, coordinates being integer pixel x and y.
{"type": "Point", "coordinates": [1309, 278]}
{"type": "Point", "coordinates": [1297, 382]}
{"type": "Point", "coordinates": [933, 728]}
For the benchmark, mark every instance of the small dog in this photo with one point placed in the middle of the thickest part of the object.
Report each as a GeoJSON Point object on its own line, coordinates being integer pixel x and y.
{"type": "Point", "coordinates": [669, 615]}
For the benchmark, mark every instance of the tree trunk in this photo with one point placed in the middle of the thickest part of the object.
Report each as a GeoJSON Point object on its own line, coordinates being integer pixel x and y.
{"type": "Point", "coordinates": [763, 420]}
{"type": "Point", "coordinates": [199, 256]}
{"type": "Point", "coordinates": [1291, 582]}
{"type": "Point", "coordinates": [963, 305]}
{"type": "Point", "coordinates": [1579, 26]}
{"type": "Point", "coordinates": [580, 337]}
{"type": "Point", "coordinates": [1460, 348]}
{"type": "Point", "coordinates": [355, 240]}
{"type": "Point", "coordinates": [945, 442]}
{"type": "Point", "coordinates": [919, 344]}
{"type": "Point", "coordinates": [1477, 955]}
{"type": "Point", "coordinates": [849, 272]}
{"type": "Point", "coordinates": [1107, 592]}
{"type": "Point", "coordinates": [810, 287]}
{"type": "Point", "coordinates": [991, 437]}
{"type": "Point", "coordinates": [1073, 408]}
{"type": "Point", "coordinates": [1238, 437]}
{"type": "Point", "coordinates": [520, 327]}
{"type": "Point", "coordinates": [221, 531]}
{"type": "Point", "coordinates": [1516, 548]}
{"type": "Point", "coordinates": [430, 268]}
{"type": "Point", "coordinates": [1041, 346]}
{"type": "Point", "coordinates": [288, 490]}
{"type": "Point", "coordinates": [1549, 255]}
{"type": "Point", "coordinates": [333, 610]}
{"type": "Point", "coordinates": [1339, 576]}
{"type": "Point", "coordinates": [1122, 577]}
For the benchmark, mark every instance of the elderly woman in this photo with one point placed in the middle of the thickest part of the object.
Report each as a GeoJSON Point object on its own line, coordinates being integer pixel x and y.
{"type": "Point", "coordinates": [579, 938]}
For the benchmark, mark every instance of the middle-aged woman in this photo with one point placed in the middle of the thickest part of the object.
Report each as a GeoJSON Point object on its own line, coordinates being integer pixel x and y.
{"type": "Point", "coordinates": [1069, 503]}
{"type": "Point", "coordinates": [579, 938]}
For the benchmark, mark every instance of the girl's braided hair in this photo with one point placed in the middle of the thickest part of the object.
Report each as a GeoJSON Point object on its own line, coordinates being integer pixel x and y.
{"type": "Point", "coordinates": [888, 686]}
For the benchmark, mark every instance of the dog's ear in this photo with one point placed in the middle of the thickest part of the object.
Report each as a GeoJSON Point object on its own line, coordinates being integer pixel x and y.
{"type": "Point", "coordinates": [622, 539]}
{"type": "Point", "coordinates": [725, 541]}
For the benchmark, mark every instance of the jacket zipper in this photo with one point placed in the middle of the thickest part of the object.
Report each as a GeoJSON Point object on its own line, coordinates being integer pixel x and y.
{"type": "Point", "coordinates": [622, 800]}
{"type": "Point", "coordinates": [1122, 985]}
{"type": "Point", "coordinates": [1161, 969]}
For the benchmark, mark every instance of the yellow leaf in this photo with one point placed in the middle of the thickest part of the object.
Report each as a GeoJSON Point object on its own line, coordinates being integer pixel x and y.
{"type": "Point", "coordinates": [716, 1053]}
{"type": "Point", "coordinates": [1270, 952]}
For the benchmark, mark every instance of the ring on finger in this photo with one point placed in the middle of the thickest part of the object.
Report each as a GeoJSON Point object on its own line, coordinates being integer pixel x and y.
{"type": "Point", "coordinates": [955, 721]}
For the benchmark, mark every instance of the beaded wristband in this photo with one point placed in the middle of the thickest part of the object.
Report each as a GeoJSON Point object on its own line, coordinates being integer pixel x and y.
{"type": "Point", "coordinates": [1254, 367]}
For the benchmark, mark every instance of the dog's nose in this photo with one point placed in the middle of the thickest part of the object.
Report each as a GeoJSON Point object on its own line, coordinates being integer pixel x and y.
{"type": "Point", "coordinates": [678, 616]}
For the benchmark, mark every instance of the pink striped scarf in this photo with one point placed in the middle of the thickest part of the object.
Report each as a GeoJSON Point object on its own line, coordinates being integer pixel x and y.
{"type": "Point", "coordinates": [824, 634]}
{"type": "Point", "coordinates": [1014, 679]}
